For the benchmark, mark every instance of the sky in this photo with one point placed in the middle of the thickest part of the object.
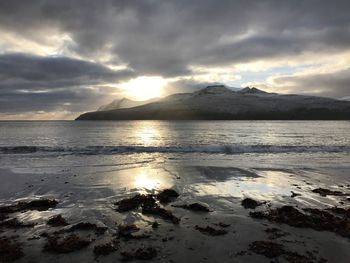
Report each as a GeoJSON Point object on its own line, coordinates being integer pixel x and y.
{"type": "Point", "coordinates": [61, 58]}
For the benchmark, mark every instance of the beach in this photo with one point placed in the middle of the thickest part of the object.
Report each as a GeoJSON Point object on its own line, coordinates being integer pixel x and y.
{"type": "Point", "coordinates": [269, 197]}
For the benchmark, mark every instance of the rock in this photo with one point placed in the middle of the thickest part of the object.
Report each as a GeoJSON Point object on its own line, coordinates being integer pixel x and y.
{"type": "Point", "coordinates": [194, 207]}
{"type": "Point", "coordinates": [57, 220]}
{"type": "Point", "coordinates": [275, 233]}
{"type": "Point", "coordinates": [341, 211]}
{"type": "Point", "coordinates": [86, 226]}
{"type": "Point", "coordinates": [155, 224]}
{"type": "Point", "coordinates": [167, 196]}
{"type": "Point", "coordinates": [294, 194]}
{"type": "Point", "coordinates": [10, 249]}
{"type": "Point", "coordinates": [211, 231]}
{"type": "Point", "coordinates": [325, 192]}
{"type": "Point", "coordinates": [274, 250]}
{"type": "Point", "coordinates": [320, 220]}
{"type": "Point", "coordinates": [66, 245]}
{"type": "Point", "coordinates": [15, 223]}
{"type": "Point", "coordinates": [104, 249]}
{"type": "Point", "coordinates": [126, 231]}
{"type": "Point", "coordinates": [135, 202]}
{"type": "Point", "coordinates": [249, 203]}
{"type": "Point", "coordinates": [40, 205]}
{"type": "Point", "coordinates": [3, 216]}
{"type": "Point", "coordinates": [147, 253]}
{"type": "Point", "coordinates": [161, 212]}
{"type": "Point", "coordinates": [267, 248]}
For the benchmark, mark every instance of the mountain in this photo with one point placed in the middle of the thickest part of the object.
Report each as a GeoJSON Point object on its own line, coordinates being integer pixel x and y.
{"type": "Point", "coordinates": [221, 103]}
{"type": "Point", "coordinates": [123, 103]}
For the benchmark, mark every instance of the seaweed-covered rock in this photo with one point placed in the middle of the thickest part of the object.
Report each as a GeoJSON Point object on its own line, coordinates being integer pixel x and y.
{"type": "Point", "coordinates": [167, 196]}
{"type": "Point", "coordinates": [320, 220]}
{"type": "Point", "coordinates": [15, 223]}
{"type": "Point", "coordinates": [57, 220]}
{"type": "Point", "coordinates": [10, 249]}
{"type": "Point", "coordinates": [39, 204]}
{"type": "Point", "coordinates": [135, 202]}
{"type": "Point", "coordinates": [161, 212]}
{"type": "Point", "coordinates": [274, 250]}
{"type": "Point", "coordinates": [144, 253]}
{"type": "Point", "coordinates": [250, 203]}
{"type": "Point", "coordinates": [86, 226]}
{"type": "Point", "coordinates": [325, 192]}
{"type": "Point", "coordinates": [67, 244]}
{"type": "Point", "coordinates": [194, 207]}
{"type": "Point", "coordinates": [104, 249]}
{"type": "Point", "coordinates": [267, 248]}
{"type": "Point", "coordinates": [211, 231]}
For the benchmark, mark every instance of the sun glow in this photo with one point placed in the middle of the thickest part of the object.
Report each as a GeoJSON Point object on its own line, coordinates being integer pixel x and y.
{"type": "Point", "coordinates": [144, 88]}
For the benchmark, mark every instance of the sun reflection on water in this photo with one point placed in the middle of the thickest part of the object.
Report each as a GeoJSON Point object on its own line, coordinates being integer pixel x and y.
{"type": "Point", "coordinates": [145, 181]}
{"type": "Point", "coordinates": [147, 133]}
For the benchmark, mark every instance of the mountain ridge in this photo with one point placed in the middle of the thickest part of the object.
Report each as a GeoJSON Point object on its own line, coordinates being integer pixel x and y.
{"type": "Point", "coordinates": [220, 103]}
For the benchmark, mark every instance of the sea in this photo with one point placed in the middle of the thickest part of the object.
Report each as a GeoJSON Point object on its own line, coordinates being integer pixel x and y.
{"type": "Point", "coordinates": [33, 144]}
{"type": "Point", "coordinates": [88, 166]}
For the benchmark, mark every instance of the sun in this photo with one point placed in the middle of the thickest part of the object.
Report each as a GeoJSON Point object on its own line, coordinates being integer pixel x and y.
{"type": "Point", "coordinates": [144, 87]}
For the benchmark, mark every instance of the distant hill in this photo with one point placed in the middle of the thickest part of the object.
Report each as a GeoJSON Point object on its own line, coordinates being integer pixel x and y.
{"type": "Point", "coordinates": [123, 103]}
{"type": "Point", "coordinates": [221, 103]}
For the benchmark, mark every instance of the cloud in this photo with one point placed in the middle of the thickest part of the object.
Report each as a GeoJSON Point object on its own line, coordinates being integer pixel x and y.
{"type": "Point", "coordinates": [170, 39]}
{"type": "Point", "coordinates": [30, 82]}
{"type": "Point", "coordinates": [335, 84]}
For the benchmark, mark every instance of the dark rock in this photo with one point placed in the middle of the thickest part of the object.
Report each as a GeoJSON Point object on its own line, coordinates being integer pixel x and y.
{"type": "Point", "coordinates": [127, 232]}
{"type": "Point", "coordinates": [15, 223]}
{"type": "Point", "coordinates": [161, 212]}
{"type": "Point", "coordinates": [104, 249]}
{"type": "Point", "coordinates": [194, 207]}
{"type": "Point", "coordinates": [341, 211]}
{"type": "Point", "coordinates": [66, 245]}
{"type": "Point", "coordinates": [294, 194]}
{"type": "Point", "coordinates": [274, 250]}
{"type": "Point", "coordinates": [155, 224]}
{"type": "Point", "coordinates": [145, 253]}
{"type": "Point", "coordinates": [10, 250]}
{"type": "Point", "coordinates": [127, 256]}
{"type": "Point", "coordinates": [249, 203]}
{"type": "Point", "coordinates": [211, 231]}
{"type": "Point", "coordinates": [320, 220]}
{"type": "Point", "coordinates": [3, 216]}
{"type": "Point", "coordinates": [275, 233]}
{"type": "Point", "coordinates": [167, 196]}
{"type": "Point", "coordinates": [325, 192]}
{"type": "Point", "coordinates": [40, 205]}
{"type": "Point", "coordinates": [86, 226]}
{"type": "Point", "coordinates": [220, 224]}
{"type": "Point", "coordinates": [135, 202]}
{"type": "Point", "coordinates": [57, 220]}
{"type": "Point", "coordinates": [267, 248]}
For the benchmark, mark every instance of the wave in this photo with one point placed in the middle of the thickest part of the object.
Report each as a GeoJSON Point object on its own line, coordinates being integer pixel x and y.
{"type": "Point", "coordinates": [216, 149]}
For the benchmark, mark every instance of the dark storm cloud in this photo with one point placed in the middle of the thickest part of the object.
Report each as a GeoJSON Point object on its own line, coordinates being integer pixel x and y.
{"type": "Point", "coordinates": [29, 82]}
{"type": "Point", "coordinates": [160, 37]}
{"type": "Point", "coordinates": [164, 37]}
{"type": "Point", "coordinates": [28, 71]}
{"type": "Point", "coordinates": [319, 84]}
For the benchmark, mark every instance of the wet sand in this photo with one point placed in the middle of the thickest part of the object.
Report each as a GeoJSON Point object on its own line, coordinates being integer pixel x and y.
{"type": "Point", "coordinates": [227, 233]}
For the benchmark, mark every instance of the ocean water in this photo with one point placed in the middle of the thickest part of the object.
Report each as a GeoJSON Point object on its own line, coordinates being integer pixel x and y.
{"type": "Point", "coordinates": [34, 143]}
{"type": "Point", "coordinates": [88, 166]}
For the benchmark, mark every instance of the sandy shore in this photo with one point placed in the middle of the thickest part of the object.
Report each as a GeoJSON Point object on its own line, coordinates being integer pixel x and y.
{"type": "Point", "coordinates": [227, 233]}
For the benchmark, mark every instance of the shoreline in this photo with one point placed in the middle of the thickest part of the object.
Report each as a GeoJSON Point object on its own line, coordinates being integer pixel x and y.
{"type": "Point", "coordinates": [92, 197]}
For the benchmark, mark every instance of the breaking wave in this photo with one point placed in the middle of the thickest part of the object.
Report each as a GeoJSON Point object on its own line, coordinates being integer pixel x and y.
{"type": "Point", "coordinates": [215, 149]}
